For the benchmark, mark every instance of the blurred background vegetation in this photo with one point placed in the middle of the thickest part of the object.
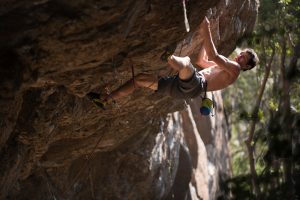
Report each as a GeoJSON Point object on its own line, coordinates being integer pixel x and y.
{"type": "Point", "coordinates": [263, 109]}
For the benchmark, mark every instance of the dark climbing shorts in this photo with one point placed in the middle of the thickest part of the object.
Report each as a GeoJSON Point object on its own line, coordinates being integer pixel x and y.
{"type": "Point", "coordinates": [182, 89]}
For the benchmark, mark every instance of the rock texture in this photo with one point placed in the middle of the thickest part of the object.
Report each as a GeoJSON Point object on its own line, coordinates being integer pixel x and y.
{"type": "Point", "coordinates": [55, 144]}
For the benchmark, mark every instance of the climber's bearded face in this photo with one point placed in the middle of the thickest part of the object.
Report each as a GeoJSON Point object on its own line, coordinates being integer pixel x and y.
{"type": "Point", "coordinates": [243, 59]}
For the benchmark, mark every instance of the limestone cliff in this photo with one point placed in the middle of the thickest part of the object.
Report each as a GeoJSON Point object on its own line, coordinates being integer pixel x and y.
{"type": "Point", "coordinates": [55, 144]}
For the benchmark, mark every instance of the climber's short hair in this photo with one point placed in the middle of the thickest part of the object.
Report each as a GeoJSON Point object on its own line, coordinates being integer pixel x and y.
{"type": "Point", "coordinates": [253, 61]}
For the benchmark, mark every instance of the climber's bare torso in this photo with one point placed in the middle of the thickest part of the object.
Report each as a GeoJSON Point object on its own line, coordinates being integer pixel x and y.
{"type": "Point", "coordinates": [218, 78]}
{"type": "Point", "coordinates": [222, 75]}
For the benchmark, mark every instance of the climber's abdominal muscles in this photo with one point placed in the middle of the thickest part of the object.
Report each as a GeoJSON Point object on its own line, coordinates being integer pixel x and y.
{"type": "Point", "coordinates": [217, 78]}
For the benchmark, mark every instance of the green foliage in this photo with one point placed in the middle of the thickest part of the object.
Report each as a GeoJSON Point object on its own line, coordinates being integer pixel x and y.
{"type": "Point", "coordinates": [276, 125]}
{"type": "Point", "coordinates": [272, 104]}
{"type": "Point", "coordinates": [274, 188]}
{"type": "Point", "coordinates": [239, 187]}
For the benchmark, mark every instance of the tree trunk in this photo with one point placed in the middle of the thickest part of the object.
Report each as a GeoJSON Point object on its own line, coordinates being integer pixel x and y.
{"type": "Point", "coordinates": [249, 142]}
{"type": "Point", "coordinates": [285, 109]}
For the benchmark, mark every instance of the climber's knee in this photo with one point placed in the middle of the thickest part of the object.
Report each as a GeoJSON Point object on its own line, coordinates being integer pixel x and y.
{"type": "Point", "coordinates": [146, 81]}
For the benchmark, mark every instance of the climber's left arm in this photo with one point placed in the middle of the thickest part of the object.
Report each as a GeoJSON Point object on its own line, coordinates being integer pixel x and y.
{"type": "Point", "coordinates": [203, 61]}
{"type": "Point", "coordinates": [230, 67]}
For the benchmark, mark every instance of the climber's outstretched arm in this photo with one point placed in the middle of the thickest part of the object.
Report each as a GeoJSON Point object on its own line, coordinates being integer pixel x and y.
{"type": "Point", "coordinates": [223, 62]}
{"type": "Point", "coordinates": [202, 59]}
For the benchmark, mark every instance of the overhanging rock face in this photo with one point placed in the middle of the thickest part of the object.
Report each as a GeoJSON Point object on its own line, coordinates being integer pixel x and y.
{"type": "Point", "coordinates": [54, 143]}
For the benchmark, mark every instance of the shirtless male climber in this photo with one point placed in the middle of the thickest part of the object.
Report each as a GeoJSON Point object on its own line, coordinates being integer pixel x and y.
{"type": "Point", "coordinates": [218, 73]}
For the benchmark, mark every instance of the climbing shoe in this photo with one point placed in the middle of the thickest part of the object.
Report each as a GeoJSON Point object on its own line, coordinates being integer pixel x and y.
{"type": "Point", "coordinates": [95, 98]}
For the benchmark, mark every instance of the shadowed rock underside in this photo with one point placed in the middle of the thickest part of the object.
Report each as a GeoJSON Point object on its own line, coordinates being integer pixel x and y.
{"type": "Point", "coordinates": [55, 144]}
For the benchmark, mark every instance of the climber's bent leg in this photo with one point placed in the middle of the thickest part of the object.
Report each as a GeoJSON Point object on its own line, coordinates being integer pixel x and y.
{"type": "Point", "coordinates": [140, 81]}
{"type": "Point", "coordinates": [146, 81]}
{"type": "Point", "coordinates": [183, 66]}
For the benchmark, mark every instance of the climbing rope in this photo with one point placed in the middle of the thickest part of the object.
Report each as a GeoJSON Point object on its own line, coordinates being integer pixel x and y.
{"type": "Point", "coordinates": [91, 180]}
{"type": "Point", "coordinates": [88, 157]}
{"type": "Point", "coordinates": [132, 72]}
